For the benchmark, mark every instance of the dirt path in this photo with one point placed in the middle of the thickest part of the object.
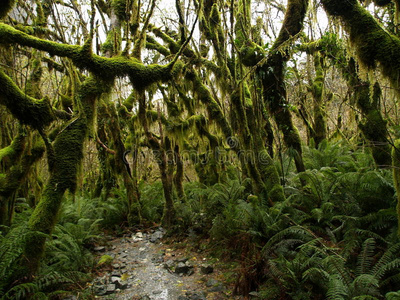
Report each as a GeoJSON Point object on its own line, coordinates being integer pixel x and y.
{"type": "Point", "coordinates": [143, 268]}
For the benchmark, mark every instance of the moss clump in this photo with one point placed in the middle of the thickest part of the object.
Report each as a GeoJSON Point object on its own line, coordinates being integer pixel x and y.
{"type": "Point", "coordinates": [28, 110]}
{"type": "Point", "coordinates": [140, 75]}
{"type": "Point", "coordinates": [113, 42]}
{"type": "Point", "coordinates": [373, 44]}
{"type": "Point", "coordinates": [120, 9]}
{"type": "Point", "coordinates": [251, 54]}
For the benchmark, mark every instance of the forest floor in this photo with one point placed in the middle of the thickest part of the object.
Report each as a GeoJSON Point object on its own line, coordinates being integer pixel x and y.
{"type": "Point", "coordinates": [144, 268]}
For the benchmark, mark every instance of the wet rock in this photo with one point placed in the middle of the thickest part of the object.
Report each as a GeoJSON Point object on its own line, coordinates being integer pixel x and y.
{"type": "Point", "coordinates": [71, 297]}
{"type": "Point", "coordinates": [193, 296]}
{"type": "Point", "coordinates": [116, 274]}
{"type": "Point", "coordinates": [169, 264]}
{"type": "Point", "coordinates": [182, 268]}
{"type": "Point", "coordinates": [206, 269]}
{"type": "Point", "coordinates": [99, 249]}
{"type": "Point", "coordinates": [111, 288]}
{"type": "Point", "coordinates": [157, 259]}
{"type": "Point", "coordinates": [212, 282]}
{"type": "Point", "coordinates": [214, 285]}
{"type": "Point", "coordinates": [183, 260]}
{"type": "Point", "coordinates": [116, 266]}
{"type": "Point", "coordinates": [115, 279]}
{"type": "Point", "coordinates": [157, 235]}
{"type": "Point", "coordinates": [100, 290]}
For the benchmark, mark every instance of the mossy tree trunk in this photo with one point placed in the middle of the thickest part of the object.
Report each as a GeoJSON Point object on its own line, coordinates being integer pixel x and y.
{"type": "Point", "coordinates": [68, 147]}
{"type": "Point", "coordinates": [319, 132]}
{"type": "Point", "coordinates": [161, 158]}
{"type": "Point", "coordinates": [372, 124]}
{"type": "Point", "coordinates": [272, 78]}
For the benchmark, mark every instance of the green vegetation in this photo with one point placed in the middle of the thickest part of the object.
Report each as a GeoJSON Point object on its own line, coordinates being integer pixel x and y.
{"type": "Point", "coordinates": [245, 133]}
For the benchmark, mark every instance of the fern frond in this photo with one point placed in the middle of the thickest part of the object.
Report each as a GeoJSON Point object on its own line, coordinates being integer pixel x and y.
{"type": "Point", "coordinates": [365, 258]}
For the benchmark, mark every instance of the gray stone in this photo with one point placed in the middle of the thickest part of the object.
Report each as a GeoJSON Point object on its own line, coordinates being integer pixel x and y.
{"type": "Point", "coordinates": [212, 282]}
{"type": "Point", "coordinates": [71, 297]}
{"type": "Point", "coordinates": [193, 296]}
{"type": "Point", "coordinates": [99, 249]}
{"type": "Point", "coordinates": [156, 236]}
{"type": "Point", "coordinates": [157, 292]}
{"type": "Point", "coordinates": [116, 273]}
{"type": "Point", "coordinates": [169, 264]}
{"type": "Point", "coordinates": [115, 280]}
{"type": "Point", "coordinates": [206, 269]}
{"type": "Point", "coordinates": [157, 259]}
{"type": "Point", "coordinates": [217, 288]}
{"type": "Point", "coordinates": [182, 268]}
{"type": "Point", "coordinates": [111, 288]}
{"type": "Point", "coordinates": [100, 290]}
{"type": "Point", "coordinates": [182, 259]}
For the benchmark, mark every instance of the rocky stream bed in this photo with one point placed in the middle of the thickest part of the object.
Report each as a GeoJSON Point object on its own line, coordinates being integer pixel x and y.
{"type": "Point", "coordinates": [141, 267]}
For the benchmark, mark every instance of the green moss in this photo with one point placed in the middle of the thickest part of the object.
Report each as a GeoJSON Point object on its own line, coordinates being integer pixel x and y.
{"type": "Point", "coordinates": [214, 110]}
{"type": "Point", "coordinates": [396, 176]}
{"type": "Point", "coordinates": [251, 54]}
{"type": "Point", "coordinates": [120, 8]}
{"type": "Point", "coordinates": [215, 18]}
{"type": "Point", "coordinates": [128, 102]}
{"type": "Point", "coordinates": [16, 147]}
{"type": "Point", "coordinates": [113, 42]}
{"type": "Point", "coordinates": [373, 44]}
{"type": "Point", "coordinates": [28, 110]}
{"type": "Point", "coordinates": [68, 153]}
{"type": "Point", "coordinates": [140, 75]}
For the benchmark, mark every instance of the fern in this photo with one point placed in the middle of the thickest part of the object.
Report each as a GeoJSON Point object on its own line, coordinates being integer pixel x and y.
{"type": "Point", "coordinates": [365, 258]}
{"type": "Point", "coordinates": [337, 290]}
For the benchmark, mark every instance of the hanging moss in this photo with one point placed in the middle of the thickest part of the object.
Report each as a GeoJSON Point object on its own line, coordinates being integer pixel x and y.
{"type": "Point", "coordinates": [251, 54]}
{"type": "Point", "coordinates": [113, 42]}
{"type": "Point", "coordinates": [319, 131]}
{"type": "Point", "coordinates": [120, 8]}
{"type": "Point", "coordinates": [214, 110]}
{"type": "Point", "coordinates": [373, 44]}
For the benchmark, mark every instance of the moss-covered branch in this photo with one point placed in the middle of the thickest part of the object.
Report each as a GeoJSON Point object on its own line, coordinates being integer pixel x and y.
{"type": "Point", "coordinates": [373, 44]}
{"type": "Point", "coordinates": [28, 110]}
{"type": "Point", "coordinates": [140, 75]}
